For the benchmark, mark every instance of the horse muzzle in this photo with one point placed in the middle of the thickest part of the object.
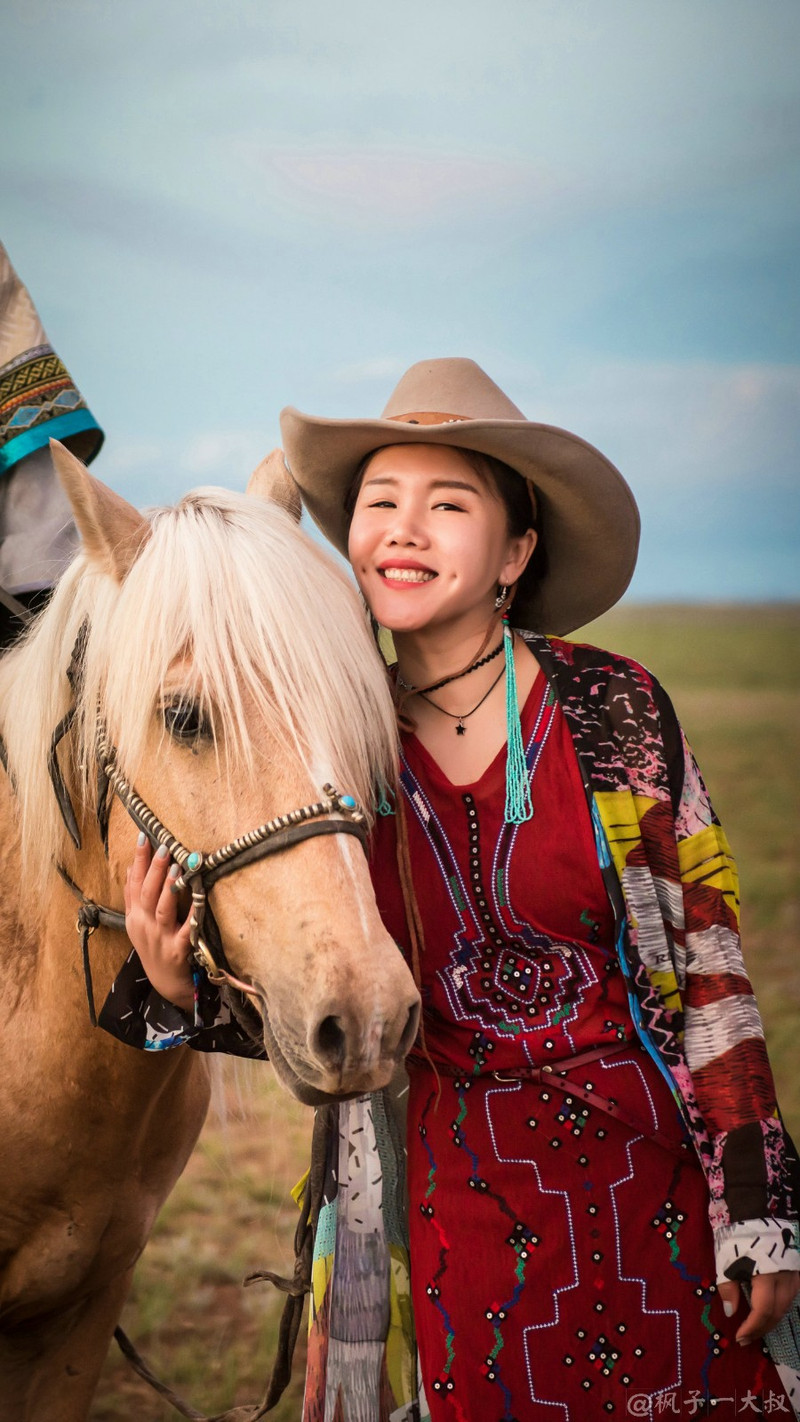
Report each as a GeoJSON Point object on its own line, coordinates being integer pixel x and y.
{"type": "Point", "coordinates": [339, 1051]}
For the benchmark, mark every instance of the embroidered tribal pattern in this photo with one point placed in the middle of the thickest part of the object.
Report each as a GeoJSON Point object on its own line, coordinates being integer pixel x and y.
{"type": "Point", "coordinates": [34, 388]}
{"type": "Point", "coordinates": [502, 974]}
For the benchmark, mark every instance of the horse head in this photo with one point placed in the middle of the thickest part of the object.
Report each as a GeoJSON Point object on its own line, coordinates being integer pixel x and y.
{"type": "Point", "coordinates": [223, 667]}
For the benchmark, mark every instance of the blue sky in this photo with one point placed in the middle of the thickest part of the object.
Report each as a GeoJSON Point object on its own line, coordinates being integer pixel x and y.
{"type": "Point", "coordinates": [222, 209]}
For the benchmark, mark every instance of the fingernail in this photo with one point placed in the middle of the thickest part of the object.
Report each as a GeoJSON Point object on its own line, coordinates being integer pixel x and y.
{"type": "Point", "coordinates": [728, 1308]}
{"type": "Point", "coordinates": [743, 1342]}
{"type": "Point", "coordinates": [162, 852]}
{"type": "Point", "coordinates": [174, 872]}
{"type": "Point", "coordinates": [142, 839]}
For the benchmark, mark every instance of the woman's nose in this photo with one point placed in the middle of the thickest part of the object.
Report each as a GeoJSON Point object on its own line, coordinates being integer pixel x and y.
{"type": "Point", "coordinates": [406, 529]}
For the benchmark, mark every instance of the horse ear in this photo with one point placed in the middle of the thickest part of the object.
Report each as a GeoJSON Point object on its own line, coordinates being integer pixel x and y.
{"type": "Point", "coordinates": [112, 530]}
{"type": "Point", "coordinates": [272, 481]}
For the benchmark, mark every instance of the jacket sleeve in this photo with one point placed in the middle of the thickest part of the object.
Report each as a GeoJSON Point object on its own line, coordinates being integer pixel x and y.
{"type": "Point", "coordinates": [752, 1210]}
{"type": "Point", "coordinates": [136, 1014]}
{"type": "Point", "coordinates": [672, 879]}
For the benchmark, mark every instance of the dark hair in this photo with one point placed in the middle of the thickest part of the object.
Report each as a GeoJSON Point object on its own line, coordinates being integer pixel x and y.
{"type": "Point", "coordinates": [512, 490]}
{"type": "Point", "coordinates": [517, 496]}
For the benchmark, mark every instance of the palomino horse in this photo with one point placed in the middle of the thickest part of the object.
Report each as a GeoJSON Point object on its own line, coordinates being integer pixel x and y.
{"type": "Point", "coordinates": [229, 664]}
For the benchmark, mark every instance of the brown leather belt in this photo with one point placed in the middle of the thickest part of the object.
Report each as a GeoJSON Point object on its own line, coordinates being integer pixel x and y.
{"type": "Point", "coordinates": [558, 1074]}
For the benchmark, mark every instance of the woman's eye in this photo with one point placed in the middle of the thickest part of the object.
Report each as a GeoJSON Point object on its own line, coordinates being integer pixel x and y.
{"type": "Point", "coordinates": [381, 504]}
{"type": "Point", "coordinates": [453, 508]}
{"type": "Point", "coordinates": [185, 722]}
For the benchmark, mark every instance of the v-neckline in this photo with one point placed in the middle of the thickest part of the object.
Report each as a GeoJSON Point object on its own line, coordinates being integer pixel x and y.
{"type": "Point", "coordinates": [412, 742]}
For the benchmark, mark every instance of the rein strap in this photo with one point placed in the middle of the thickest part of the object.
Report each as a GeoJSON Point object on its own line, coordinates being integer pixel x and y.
{"type": "Point", "coordinates": [90, 917]}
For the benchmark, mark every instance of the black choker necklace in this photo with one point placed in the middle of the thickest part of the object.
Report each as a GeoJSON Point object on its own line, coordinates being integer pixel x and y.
{"type": "Point", "coordinates": [461, 729]}
{"type": "Point", "coordinates": [437, 685]}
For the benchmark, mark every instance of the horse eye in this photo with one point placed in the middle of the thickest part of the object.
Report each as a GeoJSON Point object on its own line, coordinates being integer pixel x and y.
{"type": "Point", "coordinates": [185, 722]}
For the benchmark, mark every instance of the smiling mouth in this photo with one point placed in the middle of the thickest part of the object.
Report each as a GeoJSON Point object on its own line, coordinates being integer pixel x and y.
{"type": "Point", "coordinates": [406, 575]}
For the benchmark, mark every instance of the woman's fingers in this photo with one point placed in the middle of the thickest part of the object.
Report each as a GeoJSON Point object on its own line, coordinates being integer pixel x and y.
{"type": "Point", "coordinates": [152, 905]}
{"type": "Point", "coordinates": [770, 1297]}
{"type": "Point", "coordinates": [166, 909]}
{"type": "Point", "coordinates": [762, 1305]}
{"type": "Point", "coordinates": [141, 861]}
{"type": "Point", "coordinates": [184, 930]}
{"type": "Point", "coordinates": [155, 927]}
{"type": "Point", "coordinates": [729, 1293]}
{"type": "Point", "coordinates": [153, 881]}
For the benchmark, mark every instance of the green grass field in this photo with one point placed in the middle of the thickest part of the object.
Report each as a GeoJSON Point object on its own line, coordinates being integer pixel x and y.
{"type": "Point", "coordinates": [734, 676]}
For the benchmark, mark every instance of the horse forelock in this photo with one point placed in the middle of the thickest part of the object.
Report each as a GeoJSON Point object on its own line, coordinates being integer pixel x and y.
{"type": "Point", "coordinates": [229, 603]}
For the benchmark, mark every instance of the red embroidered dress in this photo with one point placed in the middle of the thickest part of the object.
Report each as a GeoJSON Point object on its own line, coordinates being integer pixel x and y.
{"type": "Point", "coordinates": [561, 1259]}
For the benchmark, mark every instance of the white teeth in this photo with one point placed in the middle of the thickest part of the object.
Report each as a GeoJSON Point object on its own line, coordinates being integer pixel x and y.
{"type": "Point", "coordinates": [407, 575]}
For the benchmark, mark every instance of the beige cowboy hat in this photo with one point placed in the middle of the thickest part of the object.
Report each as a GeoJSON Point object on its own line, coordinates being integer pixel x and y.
{"type": "Point", "coordinates": [588, 517]}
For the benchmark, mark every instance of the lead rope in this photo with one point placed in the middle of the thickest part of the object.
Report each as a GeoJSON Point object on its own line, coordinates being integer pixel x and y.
{"type": "Point", "coordinates": [295, 1288]}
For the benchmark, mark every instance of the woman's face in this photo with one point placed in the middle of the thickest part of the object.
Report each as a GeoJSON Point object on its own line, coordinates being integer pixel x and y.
{"type": "Point", "coordinates": [429, 539]}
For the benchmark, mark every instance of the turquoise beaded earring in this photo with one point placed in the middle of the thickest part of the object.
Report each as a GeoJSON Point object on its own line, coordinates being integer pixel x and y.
{"type": "Point", "coordinates": [519, 806]}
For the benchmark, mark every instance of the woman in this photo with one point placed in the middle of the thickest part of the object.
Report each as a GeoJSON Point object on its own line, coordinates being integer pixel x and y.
{"type": "Point", "coordinates": [591, 1080]}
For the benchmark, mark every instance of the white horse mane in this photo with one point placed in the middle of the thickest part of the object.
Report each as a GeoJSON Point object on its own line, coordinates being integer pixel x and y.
{"type": "Point", "coordinates": [230, 586]}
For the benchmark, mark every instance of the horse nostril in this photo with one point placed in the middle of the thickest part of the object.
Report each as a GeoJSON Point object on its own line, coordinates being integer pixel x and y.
{"type": "Point", "coordinates": [409, 1032]}
{"type": "Point", "coordinates": [329, 1043]}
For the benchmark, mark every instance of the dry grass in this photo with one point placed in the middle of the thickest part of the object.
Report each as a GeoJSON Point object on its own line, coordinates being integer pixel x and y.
{"type": "Point", "coordinates": [734, 674]}
{"type": "Point", "coordinates": [210, 1339]}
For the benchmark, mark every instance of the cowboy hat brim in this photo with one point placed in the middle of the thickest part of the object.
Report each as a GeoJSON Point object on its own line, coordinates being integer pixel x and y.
{"type": "Point", "coordinates": [588, 517]}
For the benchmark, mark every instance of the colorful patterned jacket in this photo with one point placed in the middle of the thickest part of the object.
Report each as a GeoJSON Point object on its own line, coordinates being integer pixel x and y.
{"type": "Point", "coordinates": [674, 888]}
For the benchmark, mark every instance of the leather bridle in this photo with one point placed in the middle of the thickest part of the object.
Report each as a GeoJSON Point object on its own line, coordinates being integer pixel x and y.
{"type": "Point", "coordinates": [333, 814]}
{"type": "Point", "coordinates": [199, 872]}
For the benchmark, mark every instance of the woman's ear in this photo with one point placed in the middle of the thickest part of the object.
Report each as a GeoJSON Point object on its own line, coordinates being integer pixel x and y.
{"type": "Point", "coordinates": [520, 551]}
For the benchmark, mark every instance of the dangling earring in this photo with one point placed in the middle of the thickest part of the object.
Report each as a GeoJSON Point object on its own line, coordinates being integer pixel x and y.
{"type": "Point", "coordinates": [519, 806]}
{"type": "Point", "coordinates": [502, 594]}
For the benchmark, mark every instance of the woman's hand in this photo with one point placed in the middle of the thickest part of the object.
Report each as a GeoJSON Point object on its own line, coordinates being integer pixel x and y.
{"type": "Point", "coordinates": [153, 926]}
{"type": "Point", "coordinates": [771, 1296]}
